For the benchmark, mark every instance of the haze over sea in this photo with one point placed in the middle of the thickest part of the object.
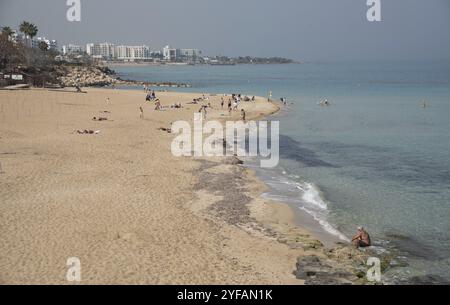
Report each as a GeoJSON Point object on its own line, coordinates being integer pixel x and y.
{"type": "Point", "coordinates": [376, 157]}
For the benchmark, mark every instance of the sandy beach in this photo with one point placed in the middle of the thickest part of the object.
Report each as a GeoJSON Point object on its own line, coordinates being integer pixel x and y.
{"type": "Point", "coordinates": [124, 205]}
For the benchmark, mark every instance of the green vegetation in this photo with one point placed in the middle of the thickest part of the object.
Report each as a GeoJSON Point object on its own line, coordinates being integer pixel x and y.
{"type": "Point", "coordinates": [38, 64]}
{"type": "Point", "coordinates": [29, 29]}
{"type": "Point", "coordinates": [7, 31]}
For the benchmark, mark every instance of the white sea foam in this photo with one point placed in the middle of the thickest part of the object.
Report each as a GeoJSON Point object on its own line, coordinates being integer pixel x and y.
{"type": "Point", "coordinates": [311, 195]}
{"type": "Point", "coordinates": [307, 196]}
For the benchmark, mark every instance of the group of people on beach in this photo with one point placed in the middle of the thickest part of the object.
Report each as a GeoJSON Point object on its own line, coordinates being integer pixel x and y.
{"type": "Point", "coordinates": [151, 96]}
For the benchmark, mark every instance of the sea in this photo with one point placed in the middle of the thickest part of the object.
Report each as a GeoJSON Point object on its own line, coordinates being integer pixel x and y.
{"type": "Point", "coordinates": [378, 156]}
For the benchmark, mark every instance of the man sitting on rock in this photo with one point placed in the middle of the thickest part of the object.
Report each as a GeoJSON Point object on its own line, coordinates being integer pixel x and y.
{"type": "Point", "coordinates": [361, 239]}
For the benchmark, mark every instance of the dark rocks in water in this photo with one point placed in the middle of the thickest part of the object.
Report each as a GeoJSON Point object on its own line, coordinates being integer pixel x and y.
{"type": "Point", "coordinates": [429, 279]}
{"type": "Point", "coordinates": [314, 271]}
{"type": "Point", "coordinates": [413, 247]}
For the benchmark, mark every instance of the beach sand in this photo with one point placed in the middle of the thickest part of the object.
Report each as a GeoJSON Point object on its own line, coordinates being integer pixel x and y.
{"type": "Point", "coordinates": [124, 205]}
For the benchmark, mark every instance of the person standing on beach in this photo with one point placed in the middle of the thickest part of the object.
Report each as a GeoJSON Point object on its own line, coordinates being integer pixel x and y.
{"type": "Point", "coordinates": [203, 111]}
{"type": "Point", "coordinates": [243, 115]}
{"type": "Point", "coordinates": [235, 106]}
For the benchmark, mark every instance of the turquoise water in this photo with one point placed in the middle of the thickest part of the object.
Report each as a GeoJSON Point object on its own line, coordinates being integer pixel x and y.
{"type": "Point", "coordinates": [375, 157]}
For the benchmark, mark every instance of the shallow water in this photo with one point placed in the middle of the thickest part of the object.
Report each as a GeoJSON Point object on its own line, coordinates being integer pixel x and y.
{"type": "Point", "coordinates": [375, 157]}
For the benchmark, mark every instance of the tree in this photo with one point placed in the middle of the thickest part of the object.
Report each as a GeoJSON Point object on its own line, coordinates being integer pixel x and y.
{"type": "Point", "coordinates": [7, 31]}
{"type": "Point", "coordinates": [28, 29]}
{"type": "Point", "coordinates": [9, 53]}
{"type": "Point", "coordinates": [43, 46]}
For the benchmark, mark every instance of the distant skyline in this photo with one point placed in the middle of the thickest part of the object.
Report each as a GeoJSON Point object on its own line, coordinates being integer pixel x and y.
{"type": "Point", "coordinates": [311, 30]}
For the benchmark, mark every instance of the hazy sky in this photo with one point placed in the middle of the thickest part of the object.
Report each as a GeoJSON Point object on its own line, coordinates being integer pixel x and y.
{"type": "Point", "coordinates": [299, 29]}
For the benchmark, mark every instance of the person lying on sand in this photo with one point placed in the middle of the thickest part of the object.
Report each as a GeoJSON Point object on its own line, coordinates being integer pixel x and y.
{"type": "Point", "coordinates": [177, 106]}
{"type": "Point", "coordinates": [361, 239]}
{"type": "Point", "coordinates": [87, 131]}
{"type": "Point", "coordinates": [168, 130]}
{"type": "Point", "coordinates": [99, 119]}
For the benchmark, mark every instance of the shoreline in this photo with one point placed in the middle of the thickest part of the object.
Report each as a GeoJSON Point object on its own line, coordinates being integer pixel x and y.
{"type": "Point", "coordinates": [107, 184]}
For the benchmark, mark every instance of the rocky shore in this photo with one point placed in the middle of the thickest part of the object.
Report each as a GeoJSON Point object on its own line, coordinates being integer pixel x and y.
{"type": "Point", "coordinates": [90, 76]}
{"type": "Point", "coordinates": [86, 77]}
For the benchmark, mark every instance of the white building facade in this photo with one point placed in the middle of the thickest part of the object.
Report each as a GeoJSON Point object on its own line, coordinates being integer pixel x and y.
{"type": "Point", "coordinates": [104, 50]}
{"type": "Point", "coordinates": [171, 54]}
{"type": "Point", "coordinates": [35, 41]}
{"type": "Point", "coordinates": [133, 53]}
{"type": "Point", "coordinates": [72, 49]}
{"type": "Point", "coordinates": [110, 51]}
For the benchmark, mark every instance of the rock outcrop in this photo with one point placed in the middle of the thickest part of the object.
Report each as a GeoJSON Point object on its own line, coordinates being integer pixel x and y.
{"type": "Point", "coordinates": [86, 77]}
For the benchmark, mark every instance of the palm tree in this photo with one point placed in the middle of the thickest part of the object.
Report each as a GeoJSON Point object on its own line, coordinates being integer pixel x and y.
{"type": "Point", "coordinates": [43, 46]}
{"type": "Point", "coordinates": [6, 30]}
{"type": "Point", "coordinates": [29, 29]}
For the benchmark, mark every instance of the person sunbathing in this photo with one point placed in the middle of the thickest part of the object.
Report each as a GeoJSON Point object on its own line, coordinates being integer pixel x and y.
{"type": "Point", "coordinates": [87, 131]}
{"type": "Point", "coordinates": [168, 130]}
{"type": "Point", "coordinates": [99, 119]}
{"type": "Point", "coordinates": [177, 106]}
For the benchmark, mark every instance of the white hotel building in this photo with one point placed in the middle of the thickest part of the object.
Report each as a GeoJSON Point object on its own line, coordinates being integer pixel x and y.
{"type": "Point", "coordinates": [132, 53]}
{"type": "Point", "coordinates": [110, 51]}
{"type": "Point", "coordinates": [72, 49]}
{"type": "Point", "coordinates": [101, 50]}
{"type": "Point", "coordinates": [34, 43]}
{"type": "Point", "coordinates": [171, 54]}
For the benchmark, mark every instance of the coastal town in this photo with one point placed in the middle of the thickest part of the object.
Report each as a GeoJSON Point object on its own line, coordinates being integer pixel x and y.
{"type": "Point", "coordinates": [28, 59]}
{"type": "Point", "coordinates": [106, 52]}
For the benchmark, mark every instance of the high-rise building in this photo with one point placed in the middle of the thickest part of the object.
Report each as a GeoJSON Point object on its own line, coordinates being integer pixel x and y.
{"type": "Point", "coordinates": [170, 54]}
{"type": "Point", "coordinates": [101, 50]}
{"type": "Point", "coordinates": [189, 54]}
{"type": "Point", "coordinates": [133, 53]}
{"type": "Point", "coordinates": [72, 49]}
